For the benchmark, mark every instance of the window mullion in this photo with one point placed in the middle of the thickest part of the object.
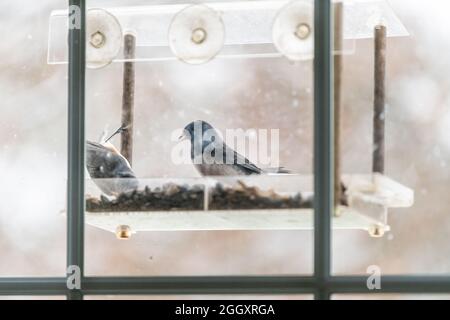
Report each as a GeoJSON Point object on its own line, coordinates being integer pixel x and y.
{"type": "Point", "coordinates": [323, 144]}
{"type": "Point", "coordinates": [76, 141]}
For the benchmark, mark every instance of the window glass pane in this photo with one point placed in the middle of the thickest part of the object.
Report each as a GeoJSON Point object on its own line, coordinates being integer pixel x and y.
{"type": "Point", "coordinates": [406, 200]}
{"type": "Point", "coordinates": [32, 143]}
{"type": "Point", "coordinates": [230, 74]}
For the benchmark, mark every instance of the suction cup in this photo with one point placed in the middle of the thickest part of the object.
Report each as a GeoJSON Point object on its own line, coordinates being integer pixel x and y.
{"type": "Point", "coordinates": [196, 34]}
{"type": "Point", "coordinates": [103, 38]}
{"type": "Point", "coordinates": [293, 30]}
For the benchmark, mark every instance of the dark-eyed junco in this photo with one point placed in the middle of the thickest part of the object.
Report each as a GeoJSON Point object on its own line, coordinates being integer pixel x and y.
{"type": "Point", "coordinates": [212, 157]}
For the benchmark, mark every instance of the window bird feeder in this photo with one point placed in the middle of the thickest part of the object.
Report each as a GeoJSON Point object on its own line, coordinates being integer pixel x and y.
{"type": "Point", "coordinates": [195, 34]}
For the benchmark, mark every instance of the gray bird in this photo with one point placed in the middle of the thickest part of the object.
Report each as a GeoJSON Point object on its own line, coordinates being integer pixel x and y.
{"type": "Point", "coordinates": [212, 157]}
{"type": "Point", "coordinates": [111, 172]}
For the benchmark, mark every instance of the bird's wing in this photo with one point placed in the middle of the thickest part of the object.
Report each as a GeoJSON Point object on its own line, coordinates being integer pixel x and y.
{"type": "Point", "coordinates": [114, 164]}
{"type": "Point", "coordinates": [95, 154]}
{"type": "Point", "coordinates": [242, 162]}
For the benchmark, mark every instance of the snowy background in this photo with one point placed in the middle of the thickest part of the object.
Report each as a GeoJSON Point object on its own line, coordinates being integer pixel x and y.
{"type": "Point", "coordinates": [265, 93]}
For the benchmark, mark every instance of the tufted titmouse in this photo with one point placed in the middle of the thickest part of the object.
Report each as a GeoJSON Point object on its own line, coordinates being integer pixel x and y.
{"type": "Point", "coordinates": [111, 172]}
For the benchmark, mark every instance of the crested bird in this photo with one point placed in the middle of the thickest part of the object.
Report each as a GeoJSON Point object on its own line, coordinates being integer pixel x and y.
{"type": "Point", "coordinates": [110, 170]}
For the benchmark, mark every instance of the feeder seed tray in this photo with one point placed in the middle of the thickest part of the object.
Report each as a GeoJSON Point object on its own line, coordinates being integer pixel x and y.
{"type": "Point", "coordinates": [369, 198]}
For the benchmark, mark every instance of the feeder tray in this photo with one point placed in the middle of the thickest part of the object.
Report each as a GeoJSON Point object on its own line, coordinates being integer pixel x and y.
{"type": "Point", "coordinates": [197, 33]}
{"type": "Point", "coordinates": [369, 198]}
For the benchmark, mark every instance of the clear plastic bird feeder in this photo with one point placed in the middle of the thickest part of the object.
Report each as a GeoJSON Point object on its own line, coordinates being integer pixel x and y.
{"type": "Point", "coordinates": [196, 34]}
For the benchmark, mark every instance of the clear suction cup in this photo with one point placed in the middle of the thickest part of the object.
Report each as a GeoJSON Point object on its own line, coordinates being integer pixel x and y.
{"type": "Point", "coordinates": [293, 30]}
{"type": "Point", "coordinates": [196, 34]}
{"type": "Point", "coordinates": [103, 38]}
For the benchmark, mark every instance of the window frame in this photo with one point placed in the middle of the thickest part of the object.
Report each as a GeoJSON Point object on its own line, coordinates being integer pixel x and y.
{"type": "Point", "coordinates": [322, 284]}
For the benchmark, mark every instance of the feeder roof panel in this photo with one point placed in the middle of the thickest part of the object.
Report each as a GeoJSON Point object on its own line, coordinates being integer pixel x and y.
{"type": "Point", "coordinates": [248, 27]}
{"type": "Point", "coordinates": [249, 22]}
{"type": "Point", "coordinates": [361, 16]}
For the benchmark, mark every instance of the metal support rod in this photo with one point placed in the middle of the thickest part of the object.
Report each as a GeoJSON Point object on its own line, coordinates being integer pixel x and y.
{"type": "Point", "coordinates": [76, 140]}
{"type": "Point", "coordinates": [128, 98]}
{"type": "Point", "coordinates": [379, 100]}
{"type": "Point", "coordinates": [338, 45]}
{"type": "Point", "coordinates": [323, 143]}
